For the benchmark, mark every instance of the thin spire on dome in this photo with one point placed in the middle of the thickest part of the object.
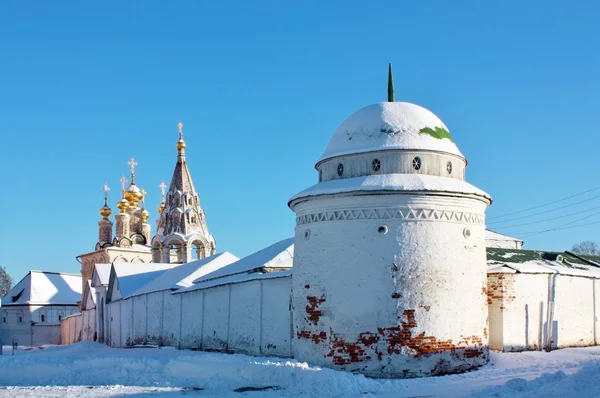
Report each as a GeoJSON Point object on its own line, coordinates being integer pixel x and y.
{"type": "Point", "coordinates": [390, 84]}
{"type": "Point", "coordinates": [181, 143]}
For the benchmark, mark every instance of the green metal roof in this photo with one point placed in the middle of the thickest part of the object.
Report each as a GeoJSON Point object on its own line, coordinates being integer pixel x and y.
{"type": "Point", "coordinates": [519, 256]}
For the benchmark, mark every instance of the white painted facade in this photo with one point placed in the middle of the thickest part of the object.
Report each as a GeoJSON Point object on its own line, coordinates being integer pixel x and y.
{"type": "Point", "coordinates": [543, 304]}
{"type": "Point", "coordinates": [389, 247]}
{"type": "Point", "coordinates": [250, 317]}
{"type": "Point", "coordinates": [32, 310]}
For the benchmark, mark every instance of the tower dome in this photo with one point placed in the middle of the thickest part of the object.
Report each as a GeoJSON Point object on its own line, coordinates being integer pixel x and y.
{"type": "Point", "coordinates": [389, 247]}
{"type": "Point", "coordinates": [389, 126]}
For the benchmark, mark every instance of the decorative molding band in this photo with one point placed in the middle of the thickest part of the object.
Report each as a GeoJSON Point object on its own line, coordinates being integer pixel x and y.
{"type": "Point", "coordinates": [394, 213]}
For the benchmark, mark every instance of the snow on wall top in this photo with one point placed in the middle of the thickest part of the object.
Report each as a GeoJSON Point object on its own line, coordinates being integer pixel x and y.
{"type": "Point", "coordinates": [278, 255]}
{"type": "Point", "coordinates": [390, 125]}
{"type": "Point", "coordinates": [491, 235]}
{"type": "Point", "coordinates": [184, 275]}
{"type": "Point", "coordinates": [237, 278]}
{"type": "Point", "coordinates": [45, 288]}
{"type": "Point", "coordinates": [133, 276]}
{"type": "Point", "coordinates": [543, 267]}
{"type": "Point", "coordinates": [392, 182]}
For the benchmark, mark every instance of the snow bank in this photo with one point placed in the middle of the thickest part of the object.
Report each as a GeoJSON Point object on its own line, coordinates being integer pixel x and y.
{"type": "Point", "coordinates": [569, 372]}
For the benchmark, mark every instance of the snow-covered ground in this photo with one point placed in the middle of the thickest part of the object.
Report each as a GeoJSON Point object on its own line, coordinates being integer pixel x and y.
{"type": "Point", "coordinates": [88, 369]}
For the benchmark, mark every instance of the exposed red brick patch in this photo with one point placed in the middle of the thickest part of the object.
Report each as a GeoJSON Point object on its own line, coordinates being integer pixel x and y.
{"type": "Point", "coordinates": [485, 333]}
{"type": "Point", "coordinates": [313, 311]}
{"type": "Point", "coordinates": [344, 353]}
{"type": "Point", "coordinates": [402, 336]}
{"type": "Point", "coordinates": [315, 337]}
{"type": "Point", "coordinates": [427, 308]}
{"type": "Point", "coordinates": [500, 288]}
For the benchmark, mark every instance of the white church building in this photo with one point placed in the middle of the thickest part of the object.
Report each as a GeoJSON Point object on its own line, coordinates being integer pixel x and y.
{"type": "Point", "coordinates": [391, 271]}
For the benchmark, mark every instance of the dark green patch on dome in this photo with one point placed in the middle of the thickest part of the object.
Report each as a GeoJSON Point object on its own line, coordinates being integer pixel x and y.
{"type": "Point", "coordinates": [437, 132]}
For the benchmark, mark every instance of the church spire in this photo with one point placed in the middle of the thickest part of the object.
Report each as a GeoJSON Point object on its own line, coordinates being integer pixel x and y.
{"type": "Point", "coordinates": [181, 214]}
{"type": "Point", "coordinates": [390, 84]}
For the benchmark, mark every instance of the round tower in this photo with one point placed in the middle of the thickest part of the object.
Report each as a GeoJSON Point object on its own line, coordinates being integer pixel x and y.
{"type": "Point", "coordinates": [389, 260]}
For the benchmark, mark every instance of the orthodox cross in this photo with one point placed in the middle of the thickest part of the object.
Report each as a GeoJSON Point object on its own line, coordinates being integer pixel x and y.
{"type": "Point", "coordinates": [162, 187]}
{"type": "Point", "coordinates": [132, 163]}
{"type": "Point", "coordinates": [106, 189]}
{"type": "Point", "coordinates": [180, 127]}
{"type": "Point", "coordinates": [123, 182]}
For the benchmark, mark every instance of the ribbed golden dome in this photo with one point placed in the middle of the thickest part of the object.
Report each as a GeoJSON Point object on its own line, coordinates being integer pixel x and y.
{"type": "Point", "coordinates": [161, 208]}
{"type": "Point", "coordinates": [181, 144]}
{"type": "Point", "coordinates": [123, 205]}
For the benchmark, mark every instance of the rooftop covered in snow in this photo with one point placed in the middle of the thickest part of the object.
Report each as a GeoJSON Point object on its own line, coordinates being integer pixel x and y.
{"type": "Point", "coordinates": [277, 257]}
{"type": "Point", "coordinates": [126, 278]}
{"type": "Point", "coordinates": [501, 260]}
{"type": "Point", "coordinates": [392, 182]}
{"type": "Point", "coordinates": [390, 125]}
{"type": "Point", "coordinates": [183, 275]}
{"type": "Point", "coordinates": [45, 288]}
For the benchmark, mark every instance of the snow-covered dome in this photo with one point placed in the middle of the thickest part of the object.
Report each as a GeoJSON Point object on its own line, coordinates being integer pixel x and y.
{"type": "Point", "coordinates": [390, 125]}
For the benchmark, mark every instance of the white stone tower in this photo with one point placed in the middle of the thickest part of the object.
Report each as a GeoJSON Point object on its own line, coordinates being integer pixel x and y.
{"type": "Point", "coordinates": [390, 265]}
{"type": "Point", "coordinates": [181, 234]}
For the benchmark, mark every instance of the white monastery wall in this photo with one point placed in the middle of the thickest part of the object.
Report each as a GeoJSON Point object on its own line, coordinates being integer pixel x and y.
{"type": "Point", "coordinates": [417, 268]}
{"type": "Point", "coordinates": [126, 313]}
{"type": "Point", "coordinates": [171, 323]}
{"type": "Point", "coordinates": [245, 317]}
{"type": "Point", "coordinates": [114, 315]}
{"type": "Point", "coordinates": [191, 319]}
{"type": "Point", "coordinates": [540, 311]}
{"type": "Point", "coordinates": [276, 317]}
{"type": "Point", "coordinates": [76, 327]}
{"type": "Point", "coordinates": [215, 318]}
{"type": "Point", "coordinates": [139, 318]}
{"type": "Point", "coordinates": [573, 317]}
{"type": "Point", "coordinates": [251, 317]}
{"type": "Point", "coordinates": [154, 312]}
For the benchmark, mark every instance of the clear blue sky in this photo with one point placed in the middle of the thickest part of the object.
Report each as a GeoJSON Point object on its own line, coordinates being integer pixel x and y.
{"type": "Point", "coordinates": [261, 86]}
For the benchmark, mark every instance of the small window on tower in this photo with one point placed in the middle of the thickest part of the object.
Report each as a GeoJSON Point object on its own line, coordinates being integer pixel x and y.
{"type": "Point", "coordinates": [340, 170]}
{"type": "Point", "coordinates": [43, 318]}
{"type": "Point", "coordinates": [376, 165]}
{"type": "Point", "coordinates": [449, 167]}
{"type": "Point", "coordinates": [416, 163]}
{"type": "Point", "coordinates": [60, 317]}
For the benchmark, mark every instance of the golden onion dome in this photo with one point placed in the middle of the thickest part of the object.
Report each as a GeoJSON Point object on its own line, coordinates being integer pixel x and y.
{"type": "Point", "coordinates": [133, 195]}
{"type": "Point", "coordinates": [123, 205]}
{"type": "Point", "coordinates": [145, 215]}
{"type": "Point", "coordinates": [161, 207]}
{"type": "Point", "coordinates": [105, 211]}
